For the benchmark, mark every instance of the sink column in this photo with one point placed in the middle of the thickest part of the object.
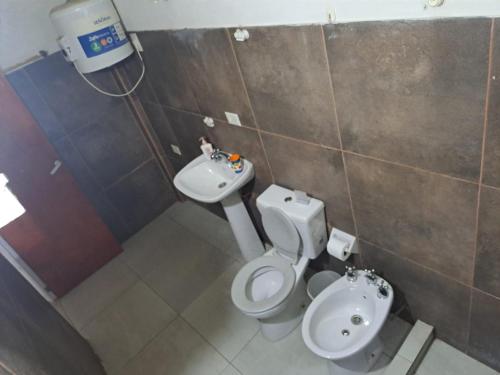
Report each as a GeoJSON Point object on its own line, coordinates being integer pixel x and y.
{"type": "Point", "coordinates": [248, 240]}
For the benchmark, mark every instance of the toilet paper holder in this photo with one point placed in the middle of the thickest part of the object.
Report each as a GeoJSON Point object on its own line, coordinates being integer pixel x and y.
{"type": "Point", "coordinates": [341, 244]}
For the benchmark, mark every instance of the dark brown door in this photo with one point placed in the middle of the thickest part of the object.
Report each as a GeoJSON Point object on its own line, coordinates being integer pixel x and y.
{"type": "Point", "coordinates": [60, 236]}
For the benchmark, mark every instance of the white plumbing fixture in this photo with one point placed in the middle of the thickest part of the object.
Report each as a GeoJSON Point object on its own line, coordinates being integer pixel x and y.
{"type": "Point", "coordinates": [92, 37]}
{"type": "Point", "coordinates": [213, 181]}
{"type": "Point", "coordinates": [241, 35]}
{"type": "Point", "coordinates": [341, 244]}
{"type": "Point", "coordinates": [343, 322]}
{"type": "Point", "coordinates": [271, 288]}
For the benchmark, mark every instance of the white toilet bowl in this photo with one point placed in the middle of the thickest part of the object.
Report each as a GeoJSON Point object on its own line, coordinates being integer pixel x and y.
{"type": "Point", "coordinates": [342, 323]}
{"type": "Point", "coordinates": [273, 291]}
{"type": "Point", "coordinates": [271, 288]}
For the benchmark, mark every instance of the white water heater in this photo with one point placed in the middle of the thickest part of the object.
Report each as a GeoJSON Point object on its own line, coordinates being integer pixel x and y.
{"type": "Point", "coordinates": [91, 34]}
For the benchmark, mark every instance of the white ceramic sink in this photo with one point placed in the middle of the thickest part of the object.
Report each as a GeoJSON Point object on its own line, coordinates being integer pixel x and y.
{"type": "Point", "coordinates": [211, 181]}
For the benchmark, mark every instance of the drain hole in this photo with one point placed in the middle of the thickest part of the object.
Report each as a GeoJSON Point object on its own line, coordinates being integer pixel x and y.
{"type": "Point", "coordinates": [345, 332]}
{"type": "Point", "coordinates": [221, 185]}
{"type": "Point", "coordinates": [356, 320]}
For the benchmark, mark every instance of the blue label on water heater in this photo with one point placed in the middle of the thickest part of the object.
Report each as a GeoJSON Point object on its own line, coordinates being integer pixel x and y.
{"type": "Point", "coordinates": [104, 40]}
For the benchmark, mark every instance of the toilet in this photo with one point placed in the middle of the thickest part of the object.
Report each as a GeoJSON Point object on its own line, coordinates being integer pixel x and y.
{"type": "Point", "coordinates": [343, 322]}
{"type": "Point", "coordinates": [271, 288]}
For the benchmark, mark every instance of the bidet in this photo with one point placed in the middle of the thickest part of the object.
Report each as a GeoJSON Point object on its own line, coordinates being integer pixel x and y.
{"type": "Point", "coordinates": [343, 321]}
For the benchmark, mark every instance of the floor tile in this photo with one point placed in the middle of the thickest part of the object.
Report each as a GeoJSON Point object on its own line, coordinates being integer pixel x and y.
{"type": "Point", "coordinates": [206, 225]}
{"type": "Point", "coordinates": [153, 243]}
{"type": "Point", "coordinates": [443, 359]}
{"type": "Point", "coordinates": [288, 356]}
{"type": "Point", "coordinates": [214, 315]}
{"type": "Point", "coordinates": [97, 292]}
{"type": "Point", "coordinates": [186, 270]}
{"type": "Point", "coordinates": [393, 334]}
{"type": "Point", "coordinates": [125, 327]}
{"type": "Point", "coordinates": [398, 366]}
{"type": "Point", "coordinates": [420, 335]}
{"type": "Point", "coordinates": [177, 350]}
{"type": "Point", "coordinates": [230, 370]}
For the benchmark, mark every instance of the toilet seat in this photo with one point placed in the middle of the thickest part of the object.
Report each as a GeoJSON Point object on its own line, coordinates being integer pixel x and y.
{"type": "Point", "coordinates": [239, 289]}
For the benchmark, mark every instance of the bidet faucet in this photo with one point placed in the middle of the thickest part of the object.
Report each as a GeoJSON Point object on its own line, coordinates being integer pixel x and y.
{"type": "Point", "coordinates": [351, 273]}
{"type": "Point", "coordinates": [383, 290]}
{"type": "Point", "coordinates": [371, 278]}
{"type": "Point", "coordinates": [218, 155]}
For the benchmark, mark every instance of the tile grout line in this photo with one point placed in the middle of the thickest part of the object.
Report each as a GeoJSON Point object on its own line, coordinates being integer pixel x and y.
{"type": "Point", "coordinates": [416, 263]}
{"type": "Point", "coordinates": [348, 185]}
{"type": "Point", "coordinates": [485, 293]}
{"type": "Point", "coordinates": [249, 102]}
{"type": "Point", "coordinates": [407, 166]}
{"type": "Point", "coordinates": [481, 171]}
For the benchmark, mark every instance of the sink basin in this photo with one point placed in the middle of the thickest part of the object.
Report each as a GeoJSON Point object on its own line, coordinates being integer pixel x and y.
{"type": "Point", "coordinates": [211, 181]}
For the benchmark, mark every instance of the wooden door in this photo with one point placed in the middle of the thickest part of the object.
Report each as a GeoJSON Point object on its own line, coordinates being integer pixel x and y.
{"type": "Point", "coordinates": [60, 236]}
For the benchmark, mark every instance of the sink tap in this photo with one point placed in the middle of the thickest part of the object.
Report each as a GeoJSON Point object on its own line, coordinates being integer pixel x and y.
{"type": "Point", "coordinates": [371, 278]}
{"type": "Point", "coordinates": [218, 155]}
{"type": "Point", "coordinates": [383, 290]}
{"type": "Point", "coordinates": [351, 273]}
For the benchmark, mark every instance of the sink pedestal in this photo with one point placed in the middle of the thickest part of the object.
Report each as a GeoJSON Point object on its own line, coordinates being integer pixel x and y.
{"type": "Point", "coordinates": [248, 240]}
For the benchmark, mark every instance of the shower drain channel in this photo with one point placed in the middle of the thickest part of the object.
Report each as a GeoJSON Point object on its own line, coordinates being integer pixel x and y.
{"type": "Point", "coordinates": [356, 320]}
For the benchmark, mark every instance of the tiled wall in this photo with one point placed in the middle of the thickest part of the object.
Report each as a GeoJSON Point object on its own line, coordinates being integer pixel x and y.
{"type": "Point", "coordinates": [384, 122]}
{"type": "Point", "coordinates": [99, 140]}
{"type": "Point", "coordinates": [35, 339]}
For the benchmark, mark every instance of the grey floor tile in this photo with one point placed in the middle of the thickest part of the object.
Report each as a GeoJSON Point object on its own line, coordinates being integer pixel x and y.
{"type": "Point", "coordinates": [289, 356]}
{"type": "Point", "coordinates": [206, 225]}
{"type": "Point", "coordinates": [97, 292]}
{"type": "Point", "coordinates": [215, 317]}
{"type": "Point", "coordinates": [124, 328]}
{"type": "Point", "coordinates": [443, 359]}
{"type": "Point", "coordinates": [415, 342]}
{"type": "Point", "coordinates": [178, 350]}
{"type": "Point", "coordinates": [393, 334]}
{"type": "Point", "coordinates": [157, 241]}
{"type": "Point", "coordinates": [186, 271]}
{"type": "Point", "coordinates": [230, 370]}
{"type": "Point", "coordinates": [398, 366]}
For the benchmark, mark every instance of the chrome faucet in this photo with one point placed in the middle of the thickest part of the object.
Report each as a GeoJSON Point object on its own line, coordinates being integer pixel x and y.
{"type": "Point", "coordinates": [351, 273]}
{"type": "Point", "coordinates": [218, 155]}
{"type": "Point", "coordinates": [383, 290]}
{"type": "Point", "coordinates": [371, 278]}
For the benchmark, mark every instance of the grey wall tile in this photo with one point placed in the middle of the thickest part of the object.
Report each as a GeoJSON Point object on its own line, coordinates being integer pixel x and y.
{"type": "Point", "coordinates": [72, 100]}
{"type": "Point", "coordinates": [40, 110]}
{"type": "Point", "coordinates": [188, 128]}
{"type": "Point", "coordinates": [142, 196]}
{"type": "Point", "coordinates": [433, 298]}
{"type": "Point", "coordinates": [286, 73]}
{"type": "Point", "coordinates": [246, 142]}
{"type": "Point", "coordinates": [113, 146]}
{"type": "Point", "coordinates": [484, 340]}
{"type": "Point", "coordinates": [317, 171]}
{"type": "Point", "coordinates": [165, 73]}
{"type": "Point", "coordinates": [487, 271]}
{"type": "Point", "coordinates": [425, 217]}
{"type": "Point", "coordinates": [208, 59]}
{"type": "Point", "coordinates": [491, 167]}
{"type": "Point", "coordinates": [407, 92]}
{"type": "Point", "coordinates": [131, 68]}
{"type": "Point", "coordinates": [161, 127]}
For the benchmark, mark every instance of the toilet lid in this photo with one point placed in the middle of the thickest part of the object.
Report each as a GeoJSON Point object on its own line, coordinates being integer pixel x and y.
{"type": "Point", "coordinates": [240, 283]}
{"type": "Point", "coordinates": [281, 231]}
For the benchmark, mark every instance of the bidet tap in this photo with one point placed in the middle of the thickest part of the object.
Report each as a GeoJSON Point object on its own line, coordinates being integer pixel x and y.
{"type": "Point", "coordinates": [383, 290]}
{"type": "Point", "coordinates": [371, 278]}
{"type": "Point", "coordinates": [351, 273]}
{"type": "Point", "coordinates": [218, 155]}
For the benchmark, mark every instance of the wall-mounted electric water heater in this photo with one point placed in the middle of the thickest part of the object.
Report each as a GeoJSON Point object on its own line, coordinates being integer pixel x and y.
{"type": "Point", "coordinates": [91, 34]}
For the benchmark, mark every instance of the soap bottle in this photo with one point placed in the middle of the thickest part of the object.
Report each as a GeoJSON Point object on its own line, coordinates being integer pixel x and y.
{"type": "Point", "coordinates": [206, 147]}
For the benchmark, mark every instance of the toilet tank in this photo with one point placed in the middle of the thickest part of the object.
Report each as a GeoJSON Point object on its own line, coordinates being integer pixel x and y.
{"type": "Point", "coordinates": [309, 219]}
